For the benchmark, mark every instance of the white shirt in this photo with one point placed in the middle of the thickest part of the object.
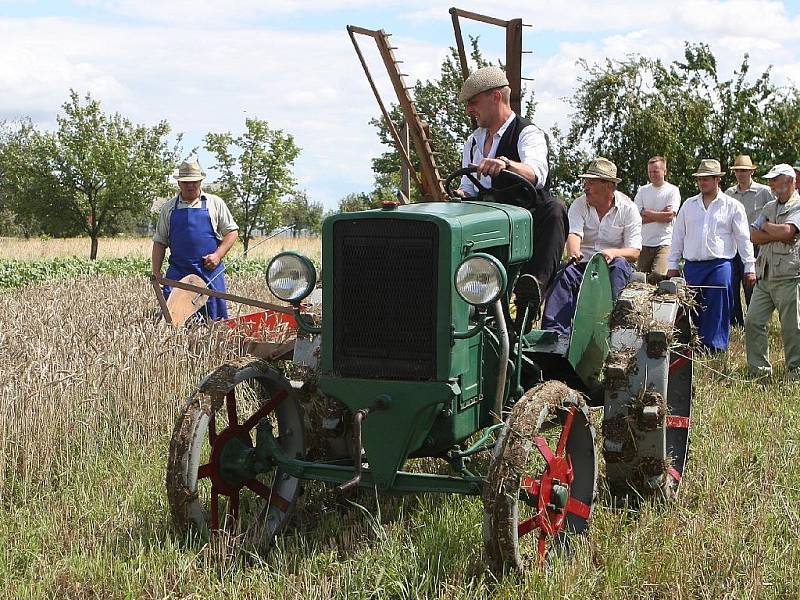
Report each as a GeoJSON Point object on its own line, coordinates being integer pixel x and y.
{"type": "Point", "coordinates": [620, 227]}
{"type": "Point", "coordinates": [532, 148]}
{"type": "Point", "coordinates": [718, 232]}
{"type": "Point", "coordinates": [650, 197]}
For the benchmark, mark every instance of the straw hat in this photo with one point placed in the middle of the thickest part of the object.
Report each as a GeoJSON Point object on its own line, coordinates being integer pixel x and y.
{"type": "Point", "coordinates": [708, 167]}
{"type": "Point", "coordinates": [743, 163]}
{"type": "Point", "coordinates": [601, 168]}
{"type": "Point", "coordinates": [481, 80]}
{"type": "Point", "coordinates": [190, 171]}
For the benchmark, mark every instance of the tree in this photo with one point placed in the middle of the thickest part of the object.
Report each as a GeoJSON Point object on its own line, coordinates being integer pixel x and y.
{"type": "Point", "coordinates": [357, 201]}
{"type": "Point", "coordinates": [94, 173]}
{"type": "Point", "coordinates": [302, 214]}
{"type": "Point", "coordinates": [633, 109]}
{"type": "Point", "coordinates": [256, 171]}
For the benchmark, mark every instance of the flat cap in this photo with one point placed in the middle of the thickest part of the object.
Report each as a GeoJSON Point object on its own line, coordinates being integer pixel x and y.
{"type": "Point", "coordinates": [481, 80]}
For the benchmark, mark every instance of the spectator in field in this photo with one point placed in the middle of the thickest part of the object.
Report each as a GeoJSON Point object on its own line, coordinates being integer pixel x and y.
{"type": "Point", "coordinates": [797, 175]}
{"type": "Point", "coordinates": [603, 220]}
{"type": "Point", "coordinates": [709, 230]}
{"type": "Point", "coordinates": [778, 267]}
{"type": "Point", "coordinates": [753, 196]}
{"type": "Point", "coordinates": [658, 203]}
{"type": "Point", "coordinates": [505, 142]}
{"type": "Point", "coordinates": [198, 229]}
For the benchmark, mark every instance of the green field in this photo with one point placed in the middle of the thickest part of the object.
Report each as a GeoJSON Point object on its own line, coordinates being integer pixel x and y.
{"type": "Point", "coordinates": [90, 385]}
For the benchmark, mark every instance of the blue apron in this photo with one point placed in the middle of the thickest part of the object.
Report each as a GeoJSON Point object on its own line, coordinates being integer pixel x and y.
{"type": "Point", "coordinates": [712, 311]}
{"type": "Point", "coordinates": [191, 237]}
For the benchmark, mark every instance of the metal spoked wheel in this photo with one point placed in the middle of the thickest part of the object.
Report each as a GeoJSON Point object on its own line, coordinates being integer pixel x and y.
{"type": "Point", "coordinates": [648, 403]}
{"type": "Point", "coordinates": [542, 478]}
{"type": "Point", "coordinates": [205, 485]}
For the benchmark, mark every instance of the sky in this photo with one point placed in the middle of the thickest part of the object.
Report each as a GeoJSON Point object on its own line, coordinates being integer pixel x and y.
{"type": "Point", "coordinates": [207, 66]}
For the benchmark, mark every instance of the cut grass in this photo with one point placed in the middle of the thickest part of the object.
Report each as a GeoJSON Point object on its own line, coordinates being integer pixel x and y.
{"type": "Point", "coordinates": [90, 386]}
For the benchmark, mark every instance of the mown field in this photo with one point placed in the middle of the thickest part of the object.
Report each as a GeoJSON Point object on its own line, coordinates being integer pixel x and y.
{"type": "Point", "coordinates": [90, 386]}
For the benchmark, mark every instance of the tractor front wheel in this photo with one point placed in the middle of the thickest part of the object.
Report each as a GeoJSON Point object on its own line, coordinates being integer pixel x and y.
{"type": "Point", "coordinates": [214, 481]}
{"type": "Point", "coordinates": [542, 478]}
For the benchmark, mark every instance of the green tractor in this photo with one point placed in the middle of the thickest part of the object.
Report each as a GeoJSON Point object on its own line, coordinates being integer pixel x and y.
{"type": "Point", "coordinates": [416, 356]}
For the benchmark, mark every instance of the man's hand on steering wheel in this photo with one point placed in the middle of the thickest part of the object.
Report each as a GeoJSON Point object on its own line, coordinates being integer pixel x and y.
{"type": "Point", "coordinates": [471, 171]}
{"type": "Point", "coordinates": [490, 167]}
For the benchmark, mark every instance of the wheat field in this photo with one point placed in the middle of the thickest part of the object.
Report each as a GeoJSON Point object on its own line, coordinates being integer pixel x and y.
{"type": "Point", "coordinates": [91, 384]}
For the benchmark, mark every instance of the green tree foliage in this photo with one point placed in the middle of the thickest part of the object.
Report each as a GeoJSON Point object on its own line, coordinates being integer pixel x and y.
{"type": "Point", "coordinates": [256, 174]}
{"type": "Point", "coordinates": [632, 109]}
{"type": "Point", "coordinates": [302, 214]}
{"type": "Point", "coordinates": [93, 175]}
{"type": "Point", "coordinates": [358, 201]}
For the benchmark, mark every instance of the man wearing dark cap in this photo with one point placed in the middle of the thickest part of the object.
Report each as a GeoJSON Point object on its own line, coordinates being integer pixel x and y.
{"type": "Point", "coordinates": [505, 142]}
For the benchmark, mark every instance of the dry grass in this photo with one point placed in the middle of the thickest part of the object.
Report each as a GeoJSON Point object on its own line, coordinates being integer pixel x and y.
{"type": "Point", "coordinates": [90, 386]}
{"type": "Point", "coordinates": [44, 248]}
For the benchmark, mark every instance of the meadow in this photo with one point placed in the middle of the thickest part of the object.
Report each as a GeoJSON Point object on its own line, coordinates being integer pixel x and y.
{"type": "Point", "coordinates": [91, 384]}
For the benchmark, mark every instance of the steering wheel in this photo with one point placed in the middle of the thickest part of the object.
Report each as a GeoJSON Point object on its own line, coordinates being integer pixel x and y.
{"type": "Point", "coordinates": [520, 183]}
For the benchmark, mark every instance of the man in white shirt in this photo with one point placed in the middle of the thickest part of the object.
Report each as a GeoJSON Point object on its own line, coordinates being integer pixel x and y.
{"type": "Point", "coordinates": [658, 203]}
{"type": "Point", "coordinates": [709, 230]}
{"type": "Point", "coordinates": [602, 220]}
{"type": "Point", "coordinates": [505, 142]}
{"type": "Point", "coordinates": [753, 196]}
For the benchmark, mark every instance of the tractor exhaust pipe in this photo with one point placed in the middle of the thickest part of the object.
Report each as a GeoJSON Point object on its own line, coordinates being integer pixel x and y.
{"type": "Point", "coordinates": [505, 346]}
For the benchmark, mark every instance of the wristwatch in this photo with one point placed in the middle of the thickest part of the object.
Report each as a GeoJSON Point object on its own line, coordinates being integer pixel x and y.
{"type": "Point", "coordinates": [505, 161]}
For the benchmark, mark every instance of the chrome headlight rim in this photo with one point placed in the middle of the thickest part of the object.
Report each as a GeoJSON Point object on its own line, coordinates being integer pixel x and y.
{"type": "Point", "coordinates": [310, 272]}
{"type": "Point", "coordinates": [501, 275]}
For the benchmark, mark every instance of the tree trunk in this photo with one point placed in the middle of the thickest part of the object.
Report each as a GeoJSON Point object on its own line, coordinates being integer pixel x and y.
{"type": "Point", "coordinates": [93, 251]}
{"type": "Point", "coordinates": [245, 242]}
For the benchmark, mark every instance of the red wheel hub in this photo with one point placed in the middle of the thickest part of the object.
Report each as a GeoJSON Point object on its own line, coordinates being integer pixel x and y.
{"type": "Point", "coordinates": [552, 489]}
{"type": "Point", "coordinates": [213, 470]}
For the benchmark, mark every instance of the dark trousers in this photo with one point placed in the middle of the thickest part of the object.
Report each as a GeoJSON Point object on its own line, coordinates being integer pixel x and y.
{"type": "Point", "coordinates": [559, 307]}
{"type": "Point", "coordinates": [737, 283]}
{"type": "Point", "coordinates": [550, 227]}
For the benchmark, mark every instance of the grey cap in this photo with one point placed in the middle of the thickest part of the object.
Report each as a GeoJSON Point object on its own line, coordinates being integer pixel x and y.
{"type": "Point", "coordinates": [481, 80]}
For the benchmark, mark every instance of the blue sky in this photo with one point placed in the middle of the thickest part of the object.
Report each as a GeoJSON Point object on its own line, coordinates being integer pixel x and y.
{"type": "Point", "coordinates": [206, 66]}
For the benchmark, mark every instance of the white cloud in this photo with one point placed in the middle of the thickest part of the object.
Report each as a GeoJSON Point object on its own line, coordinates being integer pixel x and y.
{"type": "Point", "coordinates": [206, 66]}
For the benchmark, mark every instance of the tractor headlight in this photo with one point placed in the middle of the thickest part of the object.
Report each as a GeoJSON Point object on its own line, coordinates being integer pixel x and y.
{"type": "Point", "coordinates": [291, 276]}
{"type": "Point", "coordinates": [480, 279]}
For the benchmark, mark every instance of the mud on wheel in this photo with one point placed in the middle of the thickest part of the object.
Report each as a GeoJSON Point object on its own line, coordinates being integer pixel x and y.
{"type": "Point", "coordinates": [648, 398]}
{"type": "Point", "coordinates": [211, 486]}
{"type": "Point", "coordinates": [542, 478]}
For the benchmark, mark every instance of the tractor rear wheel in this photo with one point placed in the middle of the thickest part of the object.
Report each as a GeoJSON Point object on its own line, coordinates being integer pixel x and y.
{"type": "Point", "coordinates": [205, 485]}
{"type": "Point", "coordinates": [542, 479]}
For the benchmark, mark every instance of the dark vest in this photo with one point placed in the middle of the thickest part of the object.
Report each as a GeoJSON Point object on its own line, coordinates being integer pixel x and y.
{"type": "Point", "coordinates": [508, 148]}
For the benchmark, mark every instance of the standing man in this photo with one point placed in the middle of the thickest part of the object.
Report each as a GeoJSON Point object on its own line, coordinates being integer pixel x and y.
{"type": "Point", "coordinates": [778, 267]}
{"type": "Point", "coordinates": [199, 230]}
{"type": "Point", "coordinates": [602, 220]}
{"type": "Point", "coordinates": [753, 196]}
{"type": "Point", "coordinates": [658, 203]}
{"type": "Point", "coordinates": [797, 175]}
{"type": "Point", "coordinates": [709, 230]}
{"type": "Point", "coordinates": [504, 142]}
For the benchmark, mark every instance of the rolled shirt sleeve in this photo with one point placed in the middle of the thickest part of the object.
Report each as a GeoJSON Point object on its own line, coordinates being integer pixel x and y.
{"type": "Point", "coordinates": [532, 147]}
{"type": "Point", "coordinates": [577, 216]}
{"type": "Point", "coordinates": [161, 234]}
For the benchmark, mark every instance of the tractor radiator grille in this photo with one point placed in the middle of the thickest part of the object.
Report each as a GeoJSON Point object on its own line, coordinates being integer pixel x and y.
{"type": "Point", "coordinates": [384, 302]}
